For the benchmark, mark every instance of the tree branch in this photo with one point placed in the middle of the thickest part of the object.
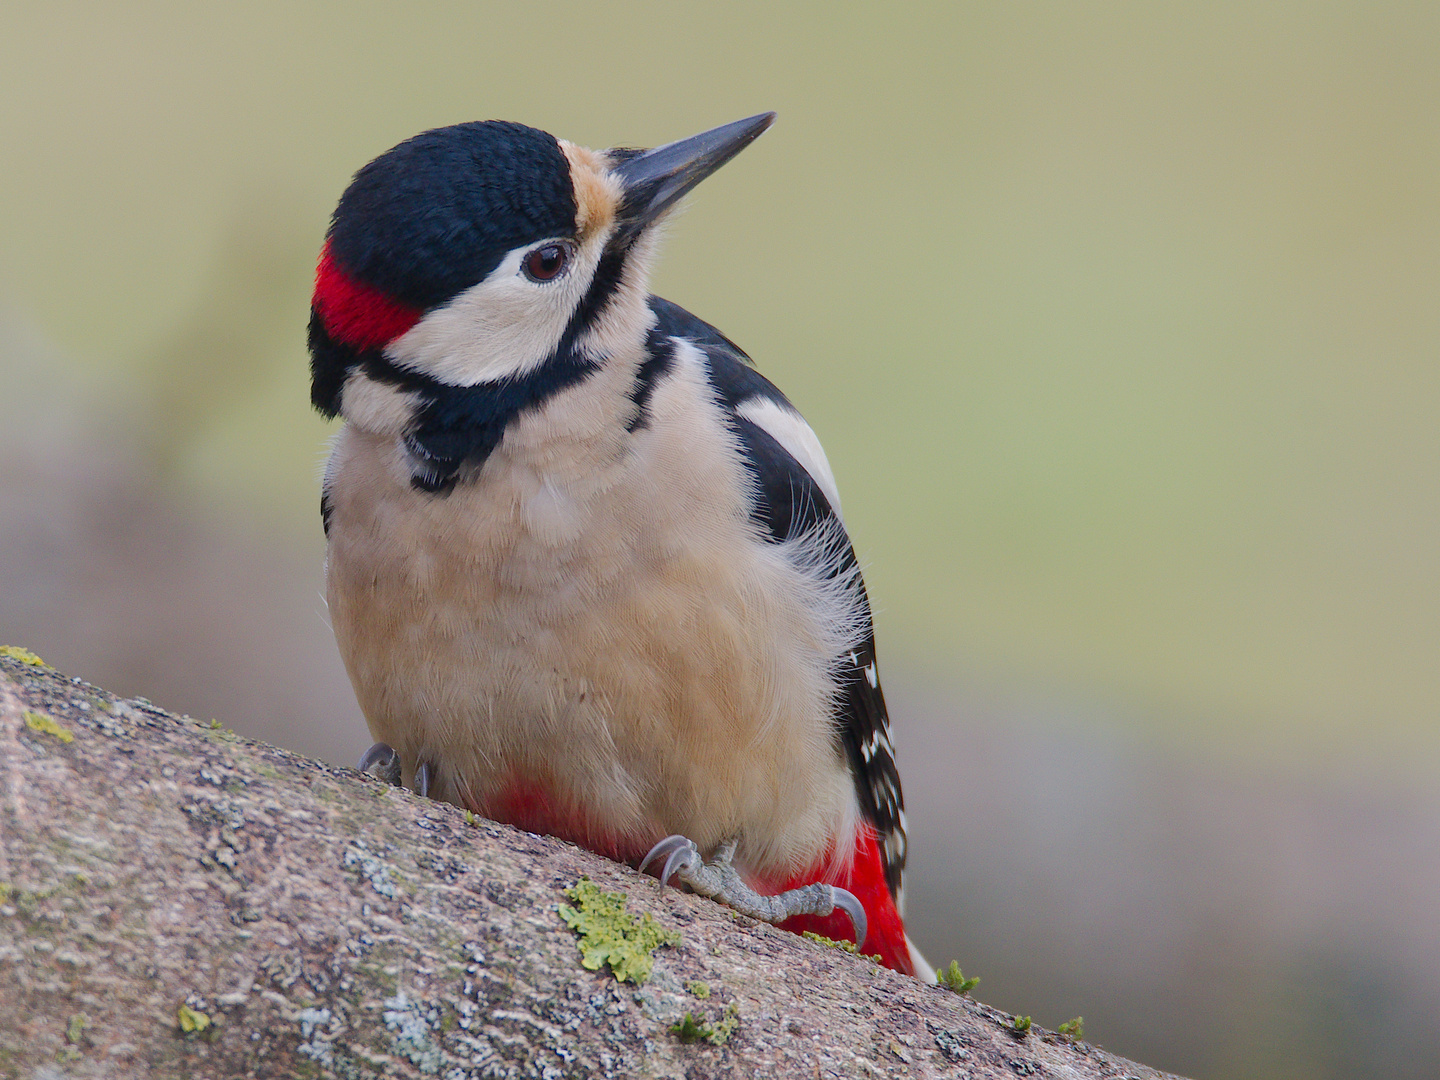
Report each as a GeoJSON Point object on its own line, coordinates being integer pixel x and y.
{"type": "Point", "coordinates": [177, 899]}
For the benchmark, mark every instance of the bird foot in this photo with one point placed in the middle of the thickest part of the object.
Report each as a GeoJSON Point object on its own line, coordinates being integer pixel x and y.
{"type": "Point", "coordinates": [719, 880]}
{"type": "Point", "coordinates": [381, 762]}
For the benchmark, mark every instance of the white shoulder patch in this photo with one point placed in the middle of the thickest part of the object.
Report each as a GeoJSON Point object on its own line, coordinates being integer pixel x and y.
{"type": "Point", "coordinates": [789, 429]}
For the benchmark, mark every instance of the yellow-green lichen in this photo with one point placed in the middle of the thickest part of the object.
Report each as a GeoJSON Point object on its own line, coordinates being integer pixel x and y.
{"type": "Point", "coordinates": [954, 979]}
{"type": "Point", "coordinates": [25, 656]}
{"type": "Point", "coordinates": [191, 1020]}
{"type": "Point", "coordinates": [217, 730]}
{"type": "Point", "coordinates": [46, 726]}
{"type": "Point", "coordinates": [843, 946]}
{"type": "Point", "coordinates": [611, 935]}
{"type": "Point", "coordinates": [76, 1028]}
{"type": "Point", "coordinates": [829, 943]}
{"type": "Point", "coordinates": [690, 1028]}
{"type": "Point", "coordinates": [699, 989]}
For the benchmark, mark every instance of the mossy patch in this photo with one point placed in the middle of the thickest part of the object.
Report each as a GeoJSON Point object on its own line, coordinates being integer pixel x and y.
{"type": "Point", "coordinates": [611, 935]}
{"type": "Point", "coordinates": [46, 726]}
{"type": "Point", "coordinates": [1020, 1025]}
{"type": "Point", "coordinates": [1073, 1029]}
{"type": "Point", "coordinates": [691, 1029]}
{"type": "Point", "coordinates": [699, 989]}
{"type": "Point", "coordinates": [25, 656]}
{"type": "Point", "coordinates": [954, 979]}
{"type": "Point", "coordinates": [216, 730]}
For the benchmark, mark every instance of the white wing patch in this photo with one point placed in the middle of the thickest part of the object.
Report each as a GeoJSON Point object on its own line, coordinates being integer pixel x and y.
{"type": "Point", "coordinates": [789, 429]}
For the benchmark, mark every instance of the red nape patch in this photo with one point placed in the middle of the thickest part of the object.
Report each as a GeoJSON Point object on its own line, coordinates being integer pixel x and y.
{"type": "Point", "coordinates": [354, 313]}
{"type": "Point", "coordinates": [885, 932]}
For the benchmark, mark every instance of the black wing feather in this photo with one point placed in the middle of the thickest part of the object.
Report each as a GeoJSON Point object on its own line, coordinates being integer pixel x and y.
{"type": "Point", "coordinates": [789, 503]}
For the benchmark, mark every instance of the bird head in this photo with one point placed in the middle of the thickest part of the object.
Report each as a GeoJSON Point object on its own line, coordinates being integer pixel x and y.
{"type": "Point", "coordinates": [483, 255]}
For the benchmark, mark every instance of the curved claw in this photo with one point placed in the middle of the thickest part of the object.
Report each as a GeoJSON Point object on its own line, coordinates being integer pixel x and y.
{"type": "Point", "coordinates": [849, 903]}
{"type": "Point", "coordinates": [379, 754]}
{"type": "Point", "coordinates": [663, 850]}
{"type": "Point", "coordinates": [423, 775]}
{"type": "Point", "coordinates": [686, 856]}
{"type": "Point", "coordinates": [381, 762]}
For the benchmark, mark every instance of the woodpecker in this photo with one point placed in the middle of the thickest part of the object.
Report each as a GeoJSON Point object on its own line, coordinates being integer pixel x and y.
{"type": "Point", "coordinates": [586, 566]}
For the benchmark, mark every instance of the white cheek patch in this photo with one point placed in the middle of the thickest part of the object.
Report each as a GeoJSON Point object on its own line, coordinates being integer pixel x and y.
{"type": "Point", "coordinates": [789, 429]}
{"type": "Point", "coordinates": [503, 327]}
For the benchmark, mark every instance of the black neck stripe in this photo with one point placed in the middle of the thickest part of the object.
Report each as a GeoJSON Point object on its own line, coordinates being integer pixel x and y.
{"type": "Point", "coordinates": [458, 427]}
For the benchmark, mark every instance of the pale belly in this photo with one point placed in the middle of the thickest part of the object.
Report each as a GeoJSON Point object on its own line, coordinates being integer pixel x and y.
{"type": "Point", "coordinates": [587, 659]}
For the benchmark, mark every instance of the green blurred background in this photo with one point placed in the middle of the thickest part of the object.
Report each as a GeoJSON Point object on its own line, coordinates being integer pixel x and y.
{"type": "Point", "coordinates": [1119, 324]}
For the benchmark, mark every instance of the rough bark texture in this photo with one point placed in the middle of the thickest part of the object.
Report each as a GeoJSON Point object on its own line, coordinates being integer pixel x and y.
{"type": "Point", "coordinates": [159, 874]}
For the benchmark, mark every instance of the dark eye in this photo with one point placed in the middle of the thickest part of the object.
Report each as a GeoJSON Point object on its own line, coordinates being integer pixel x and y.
{"type": "Point", "coordinates": [546, 262]}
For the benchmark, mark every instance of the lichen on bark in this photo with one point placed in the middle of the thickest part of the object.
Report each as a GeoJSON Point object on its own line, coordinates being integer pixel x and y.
{"type": "Point", "coordinates": [178, 901]}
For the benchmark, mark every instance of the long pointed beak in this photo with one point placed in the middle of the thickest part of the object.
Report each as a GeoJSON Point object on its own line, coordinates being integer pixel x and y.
{"type": "Point", "coordinates": [655, 180]}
